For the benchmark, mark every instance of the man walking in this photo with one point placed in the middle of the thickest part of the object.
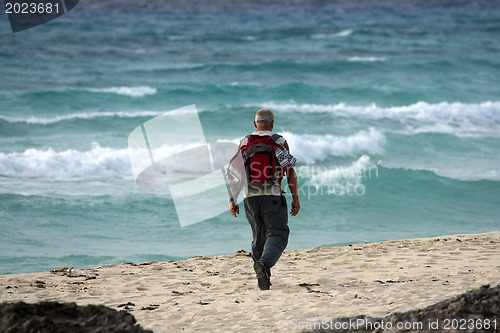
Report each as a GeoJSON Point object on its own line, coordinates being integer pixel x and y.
{"type": "Point", "coordinates": [266, 159]}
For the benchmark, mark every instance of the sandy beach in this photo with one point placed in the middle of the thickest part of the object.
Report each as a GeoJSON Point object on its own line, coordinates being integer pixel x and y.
{"type": "Point", "coordinates": [310, 285]}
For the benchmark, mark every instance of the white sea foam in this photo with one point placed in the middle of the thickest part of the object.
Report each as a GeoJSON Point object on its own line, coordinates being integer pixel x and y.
{"type": "Point", "coordinates": [354, 173]}
{"type": "Point", "coordinates": [460, 167]}
{"type": "Point", "coordinates": [243, 84]}
{"type": "Point", "coordinates": [96, 162]}
{"type": "Point", "coordinates": [81, 115]}
{"type": "Point", "coordinates": [127, 91]}
{"type": "Point", "coordinates": [314, 148]}
{"type": "Point", "coordinates": [365, 59]}
{"type": "Point", "coordinates": [310, 148]}
{"type": "Point", "coordinates": [249, 38]}
{"type": "Point", "coordinates": [104, 161]}
{"type": "Point", "coordinates": [340, 34]}
{"type": "Point", "coordinates": [178, 37]}
{"type": "Point", "coordinates": [71, 163]}
{"type": "Point", "coordinates": [452, 118]}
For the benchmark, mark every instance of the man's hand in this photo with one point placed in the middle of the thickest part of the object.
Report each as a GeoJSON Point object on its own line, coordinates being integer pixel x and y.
{"type": "Point", "coordinates": [234, 208]}
{"type": "Point", "coordinates": [295, 206]}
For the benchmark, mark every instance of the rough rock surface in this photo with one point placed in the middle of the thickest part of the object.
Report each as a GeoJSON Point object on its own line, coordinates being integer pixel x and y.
{"type": "Point", "coordinates": [54, 317]}
{"type": "Point", "coordinates": [475, 311]}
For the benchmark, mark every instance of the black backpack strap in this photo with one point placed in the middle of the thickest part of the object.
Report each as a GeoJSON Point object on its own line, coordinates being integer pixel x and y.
{"type": "Point", "coordinates": [275, 137]}
{"type": "Point", "coordinates": [259, 148]}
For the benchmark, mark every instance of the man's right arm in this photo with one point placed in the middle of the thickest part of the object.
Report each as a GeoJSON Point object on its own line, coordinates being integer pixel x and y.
{"type": "Point", "coordinates": [293, 185]}
{"type": "Point", "coordinates": [234, 208]}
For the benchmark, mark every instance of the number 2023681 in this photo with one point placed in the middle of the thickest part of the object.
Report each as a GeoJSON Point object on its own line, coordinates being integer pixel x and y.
{"type": "Point", "coordinates": [31, 8]}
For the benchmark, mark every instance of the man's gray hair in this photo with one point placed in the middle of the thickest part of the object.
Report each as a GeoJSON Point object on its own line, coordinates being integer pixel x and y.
{"type": "Point", "coordinates": [264, 115]}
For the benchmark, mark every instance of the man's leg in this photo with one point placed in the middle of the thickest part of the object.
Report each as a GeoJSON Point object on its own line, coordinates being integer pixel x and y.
{"type": "Point", "coordinates": [252, 212]}
{"type": "Point", "coordinates": [259, 232]}
{"type": "Point", "coordinates": [274, 214]}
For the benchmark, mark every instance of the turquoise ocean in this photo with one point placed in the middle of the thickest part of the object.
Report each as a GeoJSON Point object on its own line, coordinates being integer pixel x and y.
{"type": "Point", "coordinates": [391, 107]}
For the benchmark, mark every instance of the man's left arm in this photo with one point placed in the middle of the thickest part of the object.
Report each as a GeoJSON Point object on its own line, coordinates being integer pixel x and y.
{"type": "Point", "coordinates": [293, 185]}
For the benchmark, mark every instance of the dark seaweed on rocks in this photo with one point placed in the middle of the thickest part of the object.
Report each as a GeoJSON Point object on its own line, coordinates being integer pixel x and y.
{"type": "Point", "coordinates": [477, 310]}
{"type": "Point", "coordinates": [54, 317]}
